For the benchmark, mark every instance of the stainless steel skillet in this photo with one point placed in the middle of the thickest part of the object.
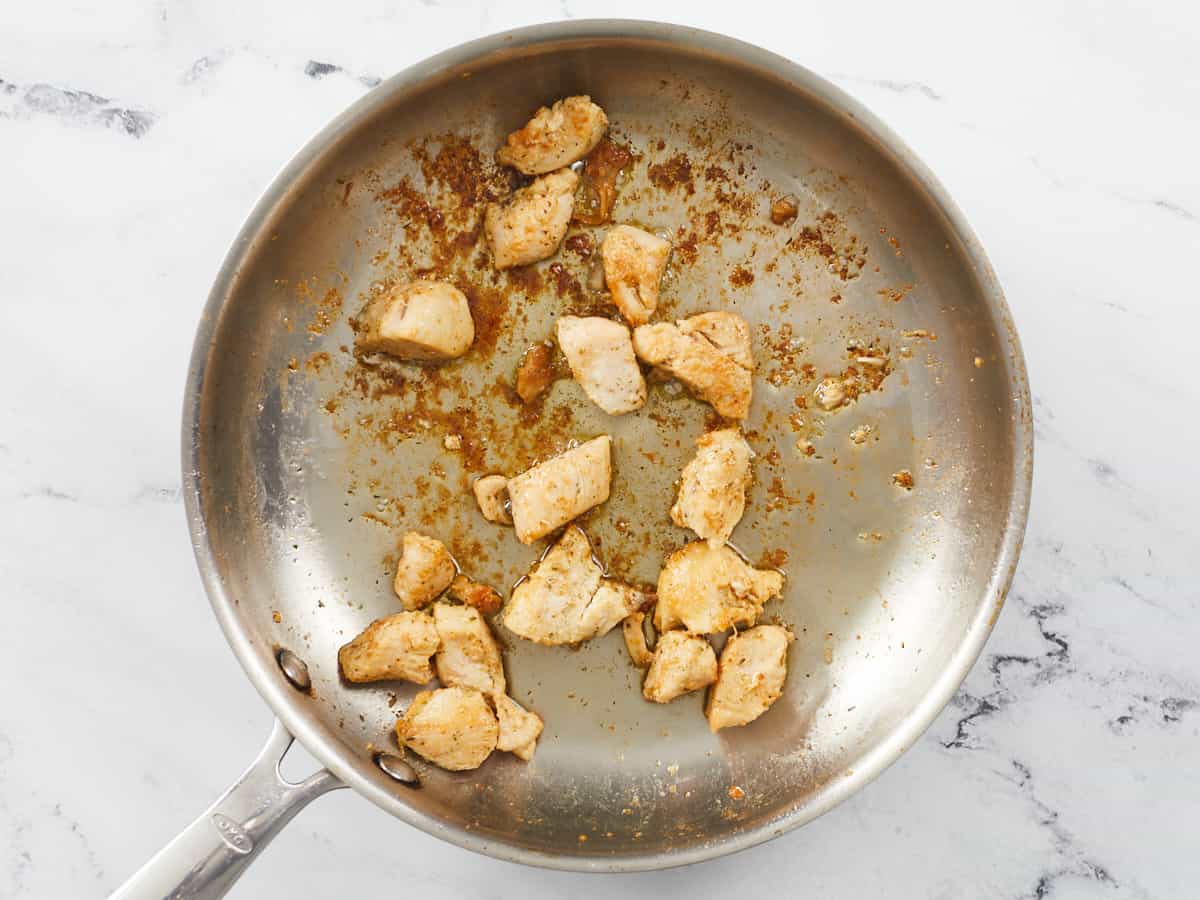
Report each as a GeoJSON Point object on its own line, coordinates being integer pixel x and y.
{"type": "Point", "coordinates": [301, 466]}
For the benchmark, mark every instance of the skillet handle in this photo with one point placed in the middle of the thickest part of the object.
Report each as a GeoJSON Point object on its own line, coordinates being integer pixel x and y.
{"type": "Point", "coordinates": [204, 861]}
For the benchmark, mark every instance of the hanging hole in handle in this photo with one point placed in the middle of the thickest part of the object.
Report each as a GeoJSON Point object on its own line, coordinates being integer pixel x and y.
{"type": "Point", "coordinates": [298, 765]}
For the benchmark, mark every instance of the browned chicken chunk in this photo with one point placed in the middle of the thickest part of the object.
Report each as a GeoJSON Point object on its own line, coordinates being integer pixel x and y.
{"type": "Point", "coordinates": [555, 137]}
{"type": "Point", "coordinates": [533, 223]}
{"type": "Point", "coordinates": [535, 373]}
{"type": "Point", "coordinates": [491, 493]}
{"type": "Point", "coordinates": [709, 589]}
{"type": "Point", "coordinates": [398, 646]}
{"type": "Point", "coordinates": [451, 727]}
{"type": "Point", "coordinates": [634, 261]}
{"type": "Point", "coordinates": [635, 639]}
{"type": "Point", "coordinates": [469, 655]}
{"type": "Point", "coordinates": [558, 490]}
{"type": "Point", "coordinates": [474, 594]}
{"type": "Point", "coordinates": [425, 570]}
{"type": "Point", "coordinates": [426, 320]}
{"type": "Point", "coordinates": [682, 663]}
{"type": "Point", "coordinates": [712, 490]}
{"type": "Point", "coordinates": [752, 671]}
{"type": "Point", "coordinates": [710, 356]}
{"type": "Point", "coordinates": [600, 354]}
{"type": "Point", "coordinates": [519, 728]}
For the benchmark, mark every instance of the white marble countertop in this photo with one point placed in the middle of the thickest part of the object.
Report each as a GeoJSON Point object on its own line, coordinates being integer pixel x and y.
{"type": "Point", "coordinates": [135, 135]}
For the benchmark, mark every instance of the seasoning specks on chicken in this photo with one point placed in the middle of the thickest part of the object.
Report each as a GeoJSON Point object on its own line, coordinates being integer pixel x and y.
{"type": "Point", "coordinates": [397, 646]}
{"type": "Point", "coordinates": [635, 639]}
{"type": "Point", "coordinates": [709, 353]}
{"type": "Point", "coordinates": [555, 137]}
{"type": "Point", "coordinates": [491, 492]}
{"type": "Point", "coordinates": [750, 676]}
{"type": "Point", "coordinates": [634, 261]}
{"type": "Point", "coordinates": [682, 663]}
{"type": "Point", "coordinates": [533, 223]}
{"type": "Point", "coordinates": [474, 594]}
{"type": "Point", "coordinates": [425, 320]}
{"type": "Point", "coordinates": [469, 655]}
{"type": "Point", "coordinates": [519, 728]}
{"type": "Point", "coordinates": [558, 490]}
{"type": "Point", "coordinates": [600, 354]}
{"type": "Point", "coordinates": [712, 489]}
{"type": "Point", "coordinates": [425, 570]}
{"type": "Point", "coordinates": [709, 589]}
{"type": "Point", "coordinates": [452, 727]}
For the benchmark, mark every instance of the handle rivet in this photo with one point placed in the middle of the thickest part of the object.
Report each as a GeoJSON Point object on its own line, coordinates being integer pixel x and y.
{"type": "Point", "coordinates": [397, 768]}
{"type": "Point", "coordinates": [294, 669]}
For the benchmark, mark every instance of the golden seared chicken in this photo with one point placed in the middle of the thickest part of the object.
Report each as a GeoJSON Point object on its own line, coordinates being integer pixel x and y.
{"type": "Point", "coordinates": [519, 728]}
{"type": "Point", "coordinates": [750, 677]}
{"type": "Point", "coordinates": [535, 373]}
{"type": "Point", "coordinates": [480, 596]}
{"type": "Point", "coordinates": [558, 490]}
{"type": "Point", "coordinates": [555, 137]}
{"type": "Point", "coordinates": [600, 354]}
{"type": "Point", "coordinates": [712, 490]}
{"type": "Point", "coordinates": [491, 493]}
{"type": "Point", "coordinates": [709, 354]}
{"type": "Point", "coordinates": [398, 646]}
{"type": "Point", "coordinates": [682, 663]}
{"type": "Point", "coordinates": [533, 223]}
{"type": "Point", "coordinates": [469, 655]}
{"type": "Point", "coordinates": [566, 599]}
{"type": "Point", "coordinates": [426, 320]}
{"type": "Point", "coordinates": [635, 639]}
{"type": "Point", "coordinates": [424, 571]}
{"type": "Point", "coordinates": [634, 261]}
{"type": "Point", "coordinates": [708, 589]}
{"type": "Point", "coordinates": [452, 727]}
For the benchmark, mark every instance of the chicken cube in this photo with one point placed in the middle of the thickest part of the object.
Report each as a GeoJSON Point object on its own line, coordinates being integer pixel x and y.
{"type": "Point", "coordinates": [395, 647]}
{"type": "Point", "coordinates": [533, 223]}
{"type": "Point", "coordinates": [480, 596]}
{"type": "Point", "coordinates": [635, 639]}
{"type": "Point", "coordinates": [469, 655]}
{"type": "Point", "coordinates": [519, 728]}
{"type": "Point", "coordinates": [558, 490]}
{"type": "Point", "coordinates": [423, 320]}
{"type": "Point", "coordinates": [535, 373]}
{"type": "Point", "coordinates": [712, 490]}
{"type": "Point", "coordinates": [600, 354]}
{"type": "Point", "coordinates": [565, 599]}
{"type": "Point", "coordinates": [555, 137]}
{"type": "Point", "coordinates": [709, 589]}
{"type": "Point", "coordinates": [750, 677]}
{"type": "Point", "coordinates": [491, 494]}
{"type": "Point", "coordinates": [426, 569]}
{"type": "Point", "coordinates": [682, 663]}
{"type": "Point", "coordinates": [452, 727]}
{"type": "Point", "coordinates": [634, 261]}
{"type": "Point", "coordinates": [706, 356]}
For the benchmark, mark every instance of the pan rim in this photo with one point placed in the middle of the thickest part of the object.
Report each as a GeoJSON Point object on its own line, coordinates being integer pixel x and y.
{"type": "Point", "coordinates": [288, 705]}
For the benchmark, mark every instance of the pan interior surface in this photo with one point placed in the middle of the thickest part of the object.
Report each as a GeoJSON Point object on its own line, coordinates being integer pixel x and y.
{"type": "Point", "coordinates": [308, 465]}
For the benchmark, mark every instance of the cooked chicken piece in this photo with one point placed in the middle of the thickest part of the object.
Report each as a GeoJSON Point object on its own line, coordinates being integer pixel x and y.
{"type": "Point", "coordinates": [682, 663]}
{"type": "Point", "coordinates": [598, 184]}
{"type": "Point", "coordinates": [535, 373]}
{"type": "Point", "coordinates": [474, 594]}
{"type": "Point", "coordinates": [751, 675]}
{"type": "Point", "coordinates": [425, 570]}
{"type": "Point", "coordinates": [555, 137]}
{"type": "Point", "coordinates": [634, 261]}
{"type": "Point", "coordinates": [490, 494]}
{"type": "Point", "coordinates": [712, 490]}
{"type": "Point", "coordinates": [726, 331]}
{"type": "Point", "coordinates": [554, 492]}
{"type": "Point", "coordinates": [428, 320]}
{"type": "Point", "coordinates": [600, 354]}
{"type": "Point", "coordinates": [469, 655]}
{"type": "Point", "coordinates": [708, 589]}
{"type": "Point", "coordinates": [706, 356]}
{"type": "Point", "coordinates": [519, 728]}
{"type": "Point", "coordinates": [451, 727]}
{"type": "Point", "coordinates": [784, 210]}
{"type": "Point", "coordinates": [565, 600]}
{"type": "Point", "coordinates": [635, 639]}
{"type": "Point", "coordinates": [534, 221]}
{"type": "Point", "coordinates": [398, 646]}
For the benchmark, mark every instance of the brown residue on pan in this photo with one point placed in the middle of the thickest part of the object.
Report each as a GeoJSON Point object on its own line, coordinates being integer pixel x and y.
{"type": "Point", "coordinates": [602, 172]}
{"type": "Point", "coordinates": [844, 255]}
{"type": "Point", "coordinates": [676, 172]}
{"type": "Point", "coordinates": [741, 277]}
